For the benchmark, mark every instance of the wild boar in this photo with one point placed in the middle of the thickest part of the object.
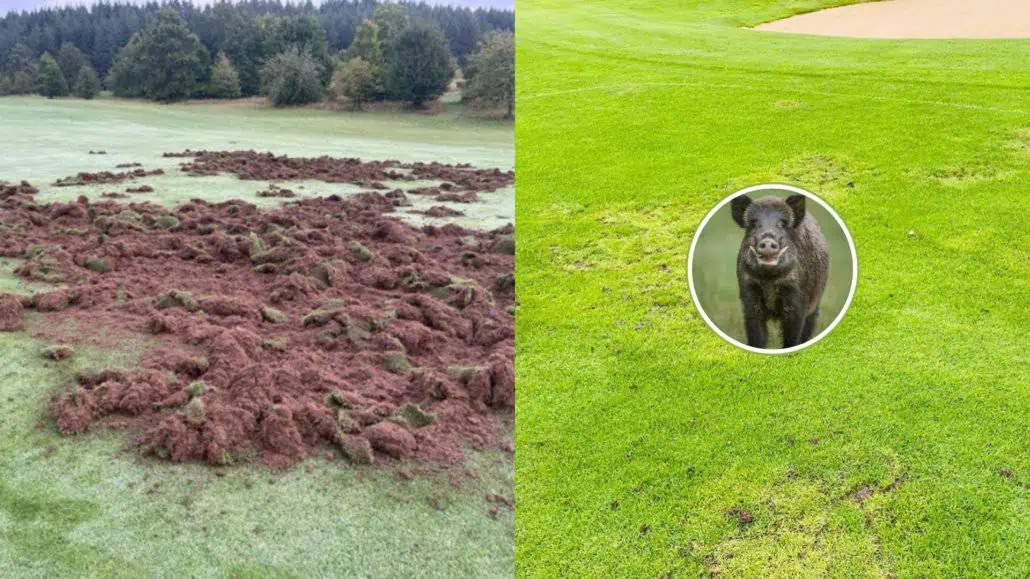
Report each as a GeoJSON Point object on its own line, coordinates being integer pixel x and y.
{"type": "Point", "coordinates": [782, 267]}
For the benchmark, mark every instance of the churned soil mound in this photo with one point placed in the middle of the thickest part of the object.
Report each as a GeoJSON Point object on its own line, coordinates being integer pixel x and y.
{"type": "Point", "coordinates": [914, 19]}
{"type": "Point", "coordinates": [439, 211]}
{"type": "Point", "coordinates": [21, 189]}
{"type": "Point", "coordinates": [251, 165]}
{"type": "Point", "coordinates": [323, 323]}
{"type": "Point", "coordinates": [276, 191]}
{"type": "Point", "coordinates": [10, 312]}
{"type": "Point", "coordinates": [104, 177]}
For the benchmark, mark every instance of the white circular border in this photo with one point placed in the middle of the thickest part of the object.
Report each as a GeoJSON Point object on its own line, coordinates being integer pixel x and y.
{"type": "Point", "coordinates": [767, 187]}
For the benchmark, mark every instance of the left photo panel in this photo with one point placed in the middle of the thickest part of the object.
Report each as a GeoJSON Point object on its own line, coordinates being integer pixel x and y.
{"type": "Point", "coordinates": [257, 289]}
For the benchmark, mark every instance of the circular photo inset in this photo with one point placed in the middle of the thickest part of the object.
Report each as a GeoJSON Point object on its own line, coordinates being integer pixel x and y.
{"type": "Point", "coordinates": [772, 269]}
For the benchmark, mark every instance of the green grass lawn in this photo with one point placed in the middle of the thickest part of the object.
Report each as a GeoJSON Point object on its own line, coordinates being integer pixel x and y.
{"type": "Point", "coordinates": [896, 447]}
{"type": "Point", "coordinates": [89, 507]}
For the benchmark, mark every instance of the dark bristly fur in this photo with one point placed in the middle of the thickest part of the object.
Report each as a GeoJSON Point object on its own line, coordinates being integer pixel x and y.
{"type": "Point", "coordinates": [789, 285]}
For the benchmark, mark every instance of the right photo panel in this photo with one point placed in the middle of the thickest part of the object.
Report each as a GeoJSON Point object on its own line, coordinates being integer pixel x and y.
{"type": "Point", "coordinates": [773, 288]}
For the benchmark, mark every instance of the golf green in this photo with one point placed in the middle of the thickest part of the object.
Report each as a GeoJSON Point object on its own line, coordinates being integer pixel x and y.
{"type": "Point", "coordinates": [647, 445]}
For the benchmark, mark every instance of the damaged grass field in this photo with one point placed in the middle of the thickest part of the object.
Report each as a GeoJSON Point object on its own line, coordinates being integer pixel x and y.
{"type": "Point", "coordinates": [300, 386]}
{"type": "Point", "coordinates": [648, 446]}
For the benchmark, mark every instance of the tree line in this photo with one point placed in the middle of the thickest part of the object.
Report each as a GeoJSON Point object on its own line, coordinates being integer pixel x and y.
{"type": "Point", "coordinates": [357, 50]}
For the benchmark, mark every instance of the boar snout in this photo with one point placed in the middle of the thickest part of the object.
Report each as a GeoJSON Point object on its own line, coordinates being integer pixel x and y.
{"type": "Point", "coordinates": [767, 246]}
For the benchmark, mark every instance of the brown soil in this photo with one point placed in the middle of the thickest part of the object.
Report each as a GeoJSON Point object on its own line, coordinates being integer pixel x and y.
{"type": "Point", "coordinates": [250, 165]}
{"type": "Point", "coordinates": [104, 177]}
{"type": "Point", "coordinates": [371, 316]}
{"type": "Point", "coordinates": [276, 191]}
{"type": "Point", "coordinates": [10, 312]}
{"type": "Point", "coordinates": [439, 211]}
{"type": "Point", "coordinates": [140, 189]}
{"type": "Point", "coordinates": [11, 190]}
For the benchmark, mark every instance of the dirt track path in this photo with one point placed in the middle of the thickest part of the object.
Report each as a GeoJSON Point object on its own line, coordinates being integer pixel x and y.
{"type": "Point", "coordinates": [914, 19]}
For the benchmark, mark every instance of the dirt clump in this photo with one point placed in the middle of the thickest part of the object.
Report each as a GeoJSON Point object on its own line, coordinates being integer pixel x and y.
{"type": "Point", "coordinates": [104, 177]}
{"type": "Point", "coordinates": [440, 211]}
{"type": "Point", "coordinates": [320, 324]}
{"type": "Point", "coordinates": [741, 515]}
{"type": "Point", "coordinates": [276, 191]}
{"type": "Point", "coordinates": [10, 312]}
{"type": "Point", "coordinates": [392, 439]}
{"type": "Point", "coordinates": [140, 189]}
{"type": "Point", "coordinates": [10, 190]}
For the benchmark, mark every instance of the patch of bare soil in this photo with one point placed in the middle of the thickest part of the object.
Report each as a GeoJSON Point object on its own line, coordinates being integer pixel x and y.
{"type": "Point", "coordinates": [325, 322]}
{"type": "Point", "coordinates": [914, 19]}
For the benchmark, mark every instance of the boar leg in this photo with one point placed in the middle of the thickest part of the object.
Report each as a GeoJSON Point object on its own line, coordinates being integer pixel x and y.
{"type": "Point", "coordinates": [754, 317]}
{"type": "Point", "coordinates": [793, 320]}
{"type": "Point", "coordinates": [806, 332]}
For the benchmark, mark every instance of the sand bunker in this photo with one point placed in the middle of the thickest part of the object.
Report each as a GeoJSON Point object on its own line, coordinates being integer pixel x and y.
{"type": "Point", "coordinates": [914, 19]}
{"type": "Point", "coordinates": [323, 326]}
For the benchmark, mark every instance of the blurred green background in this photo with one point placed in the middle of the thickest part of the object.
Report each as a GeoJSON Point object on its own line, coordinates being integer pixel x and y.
{"type": "Point", "coordinates": [715, 270]}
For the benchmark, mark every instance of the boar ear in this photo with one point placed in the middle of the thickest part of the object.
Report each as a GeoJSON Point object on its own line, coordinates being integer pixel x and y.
{"type": "Point", "coordinates": [797, 206]}
{"type": "Point", "coordinates": [738, 207]}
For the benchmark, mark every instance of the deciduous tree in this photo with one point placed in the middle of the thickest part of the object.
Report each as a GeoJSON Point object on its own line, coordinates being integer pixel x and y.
{"type": "Point", "coordinates": [50, 81]}
{"type": "Point", "coordinates": [88, 84]}
{"type": "Point", "coordinates": [355, 80]}
{"type": "Point", "coordinates": [292, 78]}
{"type": "Point", "coordinates": [419, 68]}
{"type": "Point", "coordinates": [491, 73]}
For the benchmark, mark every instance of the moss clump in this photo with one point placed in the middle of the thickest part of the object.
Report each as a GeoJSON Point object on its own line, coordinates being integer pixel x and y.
{"type": "Point", "coordinates": [196, 388]}
{"type": "Point", "coordinates": [346, 422]}
{"type": "Point", "coordinates": [167, 222]}
{"type": "Point", "coordinates": [415, 416]}
{"type": "Point", "coordinates": [195, 412]}
{"type": "Point", "coordinates": [266, 268]}
{"type": "Point", "coordinates": [363, 253]}
{"type": "Point", "coordinates": [504, 244]}
{"type": "Point", "coordinates": [274, 316]}
{"type": "Point", "coordinates": [207, 228]}
{"type": "Point", "coordinates": [96, 264]}
{"type": "Point", "coordinates": [319, 317]}
{"type": "Point", "coordinates": [328, 272]}
{"type": "Point", "coordinates": [337, 400]}
{"type": "Point", "coordinates": [464, 374]}
{"type": "Point", "coordinates": [176, 299]}
{"type": "Point", "coordinates": [275, 255]}
{"type": "Point", "coordinates": [276, 345]}
{"type": "Point", "coordinates": [357, 449]}
{"type": "Point", "coordinates": [256, 245]}
{"type": "Point", "coordinates": [326, 338]}
{"type": "Point", "coordinates": [396, 362]}
{"type": "Point", "coordinates": [129, 215]}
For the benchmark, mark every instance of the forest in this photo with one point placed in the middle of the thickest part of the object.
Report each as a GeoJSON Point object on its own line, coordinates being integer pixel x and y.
{"type": "Point", "coordinates": [347, 50]}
